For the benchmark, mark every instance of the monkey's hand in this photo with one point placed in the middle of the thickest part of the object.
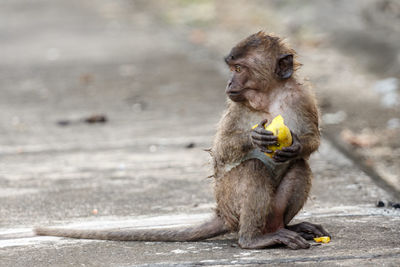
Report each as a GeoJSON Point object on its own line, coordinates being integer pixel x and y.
{"type": "Point", "coordinates": [290, 152]}
{"type": "Point", "coordinates": [262, 138]}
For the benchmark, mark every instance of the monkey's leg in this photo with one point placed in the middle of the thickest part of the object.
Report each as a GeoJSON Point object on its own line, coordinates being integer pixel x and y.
{"type": "Point", "coordinates": [256, 203]}
{"type": "Point", "coordinates": [206, 230]}
{"type": "Point", "coordinates": [280, 237]}
{"type": "Point", "coordinates": [290, 197]}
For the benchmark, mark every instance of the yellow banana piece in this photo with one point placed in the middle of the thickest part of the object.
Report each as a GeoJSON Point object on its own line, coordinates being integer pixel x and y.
{"type": "Point", "coordinates": [322, 239]}
{"type": "Point", "coordinates": [280, 130]}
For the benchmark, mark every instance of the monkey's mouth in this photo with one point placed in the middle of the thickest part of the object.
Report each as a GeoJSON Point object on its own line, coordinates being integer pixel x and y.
{"type": "Point", "coordinates": [236, 96]}
{"type": "Point", "coordinates": [233, 93]}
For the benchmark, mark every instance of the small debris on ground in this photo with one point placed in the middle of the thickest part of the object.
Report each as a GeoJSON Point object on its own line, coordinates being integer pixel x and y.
{"type": "Point", "coordinates": [380, 204]}
{"type": "Point", "coordinates": [394, 205]}
{"type": "Point", "coordinates": [190, 145]}
{"type": "Point", "coordinates": [64, 122]}
{"type": "Point", "coordinates": [97, 118]}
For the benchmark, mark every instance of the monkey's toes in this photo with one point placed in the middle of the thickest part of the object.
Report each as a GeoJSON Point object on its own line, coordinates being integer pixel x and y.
{"type": "Point", "coordinates": [308, 230]}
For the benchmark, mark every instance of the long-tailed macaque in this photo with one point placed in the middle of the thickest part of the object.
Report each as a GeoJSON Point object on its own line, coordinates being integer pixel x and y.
{"type": "Point", "coordinates": [257, 196]}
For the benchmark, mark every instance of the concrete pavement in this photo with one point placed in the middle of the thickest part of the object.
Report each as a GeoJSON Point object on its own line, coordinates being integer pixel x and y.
{"type": "Point", "coordinates": [145, 167]}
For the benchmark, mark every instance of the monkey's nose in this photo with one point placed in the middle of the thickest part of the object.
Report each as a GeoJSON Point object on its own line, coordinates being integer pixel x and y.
{"type": "Point", "coordinates": [228, 87]}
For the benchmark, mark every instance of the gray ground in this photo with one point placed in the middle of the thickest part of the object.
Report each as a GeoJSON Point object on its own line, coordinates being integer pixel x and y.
{"type": "Point", "coordinates": [154, 69]}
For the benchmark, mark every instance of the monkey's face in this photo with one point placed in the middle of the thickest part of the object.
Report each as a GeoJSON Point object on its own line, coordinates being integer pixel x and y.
{"type": "Point", "coordinates": [250, 76]}
{"type": "Point", "coordinates": [238, 83]}
{"type": "Point", "coordinates": [254, 74]}
{"type": "Point", "coordinates": [258, 64]}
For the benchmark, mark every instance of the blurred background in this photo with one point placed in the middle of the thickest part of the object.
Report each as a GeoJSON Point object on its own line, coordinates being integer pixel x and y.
{"type": "Point", "coordinates": [87, 75]}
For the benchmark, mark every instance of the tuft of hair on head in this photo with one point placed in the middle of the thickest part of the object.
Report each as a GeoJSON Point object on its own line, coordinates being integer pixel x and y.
{"type": "Point", "coordinates": [262, 42]}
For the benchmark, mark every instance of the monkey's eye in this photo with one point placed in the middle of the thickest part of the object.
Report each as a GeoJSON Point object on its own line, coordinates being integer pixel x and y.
{"type": "Point", "coordinates": [237, 68]}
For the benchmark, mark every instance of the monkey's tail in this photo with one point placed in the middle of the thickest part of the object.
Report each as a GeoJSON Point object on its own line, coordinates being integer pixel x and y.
{"type": "Point", "coordinates": [209, 229]}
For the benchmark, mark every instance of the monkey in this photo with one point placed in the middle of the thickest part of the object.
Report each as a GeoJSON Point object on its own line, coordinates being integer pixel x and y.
{"type": "Point", "coordinates": [256, 196]}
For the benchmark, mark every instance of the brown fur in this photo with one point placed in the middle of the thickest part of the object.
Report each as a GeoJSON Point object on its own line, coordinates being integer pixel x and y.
{"type": "Point", "coordinates": [249, 199]}
{"type": "Point", "coordinates": [206, 230]}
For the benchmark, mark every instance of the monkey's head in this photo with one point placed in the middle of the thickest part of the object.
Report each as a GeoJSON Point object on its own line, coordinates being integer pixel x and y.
{"type": "Point", "coordinates": [258, 63]}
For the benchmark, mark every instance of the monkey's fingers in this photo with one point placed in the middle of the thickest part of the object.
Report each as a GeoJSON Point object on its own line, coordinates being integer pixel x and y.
{"type": "Point", "coordinates": [279, 159]}
{"type": "Point", "coordinates": [261, 131]}
{"type": "Point", "coordinates": [262, 143]}
{"type": "Point", "coordinates": [294, 148]}
{"type": "Point", "coordinates": [260, 125]}
{"type": "Point", "coordinates": [281, 156]}
{"type": "Point", "coordinates": [263, 122]}
{"type": "Point", "coordinates": [262, 140]}
{"type": "Point", "coordinates": [291, 239]}
{"type": "Point", "coordinates": [264, 136]}
{"type": "Point", "coordinates": [284, 154]}
{"type": "Point", "coordinates": [265, 150]}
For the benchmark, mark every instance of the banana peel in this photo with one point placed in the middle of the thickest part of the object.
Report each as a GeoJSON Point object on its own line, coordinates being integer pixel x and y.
{"type": "Point", "coordinates": [280, 130]}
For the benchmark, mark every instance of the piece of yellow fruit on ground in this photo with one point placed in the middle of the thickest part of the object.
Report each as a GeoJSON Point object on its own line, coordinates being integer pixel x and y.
{"type": "Point", "coordinates": [280, 130]}
{"type": "Point", "coordinates": [322, 239]}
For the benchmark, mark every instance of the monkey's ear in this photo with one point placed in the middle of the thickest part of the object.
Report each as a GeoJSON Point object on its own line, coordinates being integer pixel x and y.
{"type": "Point", "coordinates": [284, 66]}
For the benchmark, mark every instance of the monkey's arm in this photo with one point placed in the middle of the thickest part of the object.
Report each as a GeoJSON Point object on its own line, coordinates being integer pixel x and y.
{"type": "Point", "coordinates": [232, 146]}
{"type": "Point", "coordinates": [302, 147]}
{"type": "Point", "coordinates": [306, 139]}
{"type": "Point", "coordinates": [309, 143]}
{"type": "Point", "coordinates": [231, 142]}
{"type": "Point", "coordinates": [310, 136]}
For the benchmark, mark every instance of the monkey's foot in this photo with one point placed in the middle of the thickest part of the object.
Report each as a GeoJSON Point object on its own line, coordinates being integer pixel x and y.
{"type": "Point", "coordinates": [308, 230]}
{"type": "Point", "coordinates": [281, 237]}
